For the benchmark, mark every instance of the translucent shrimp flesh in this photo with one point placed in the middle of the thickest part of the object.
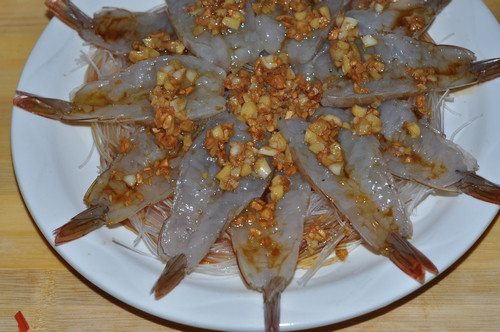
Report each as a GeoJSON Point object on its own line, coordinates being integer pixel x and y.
{"type": "Point", "coordinates": [365, 195]}
{"type": "Point", "coordinates": [136, 178]}
{"type": "Point", "coordinates": [266, 238]}
{"type": "Point", "coordinates": [125, 96]}
{"type": "Point", "coordinates": [415, 151]}
{"type": "Point", "coordinates": [113, 29]}
{"type": "Point", "coordinates": [394, 66]}
{"type": "Point", "coordinates": [230, 44]}
{"type": "Point", "coordinates": [302, 51]}
{"type": "Point", "coordinates": [407, 17]}
{"type": "Point", "coordinates": [201, 210]}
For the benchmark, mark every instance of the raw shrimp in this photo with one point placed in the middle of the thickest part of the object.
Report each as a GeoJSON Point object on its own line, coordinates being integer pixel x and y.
{"type": "Point", "coordinates": [302, 50]}
{"type": "Point", "coordinates": [114, 29]}
{"type": "Point", "coordinates": [401, 66]}
{"type": "Point", "coordinates": [202, 210]}
{"type": "Point", "coordinates": [138, 177]}
{"type": "Point", "coordinates": [125, 97]}
{"type": "Point", "coordinates": [230, 43]}
{"type": "Point", "coordinates": [407, 17]}
{"type": "Point", "coordinates": [415, 151]}
{"type": "Point", "coordinates": [365, 193]}
{"type": "Point", "coordinates": [266, 238]}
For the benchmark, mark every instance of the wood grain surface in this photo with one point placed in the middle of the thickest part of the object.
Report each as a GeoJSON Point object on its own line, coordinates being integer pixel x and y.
{"type": "Point", "coordinates": [53, 297]}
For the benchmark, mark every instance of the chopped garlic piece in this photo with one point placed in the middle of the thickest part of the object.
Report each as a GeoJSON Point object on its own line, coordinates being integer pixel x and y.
{"type": "Point", "coordinates": [261, 168]}
{"type": "Point", "coordinates": [369, 41]}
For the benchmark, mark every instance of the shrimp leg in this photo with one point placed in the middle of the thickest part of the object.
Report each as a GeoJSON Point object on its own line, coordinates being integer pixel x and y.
{"type": "Point", "coordinates": [201, 208]}
{"type": "Point", "coordinates": [415, 151]}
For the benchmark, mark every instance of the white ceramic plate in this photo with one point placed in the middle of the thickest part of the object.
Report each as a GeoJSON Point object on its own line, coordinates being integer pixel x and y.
{"type": "Point", "coordinates": [48, 156]}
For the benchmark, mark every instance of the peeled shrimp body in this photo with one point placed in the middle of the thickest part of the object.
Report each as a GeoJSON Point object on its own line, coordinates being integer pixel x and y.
{"type": "Point", "coordinates": [432, 159]}
{"type": "Point", "coordinates": [301, 52]}
{"type": "Point", "coordinates": [407, 17]}
{"type": "Point", "coordinates": [454, 67]}
{"type": "Point", "coordinates": [201, 209]}
{"type": "Point", "coordinates": [269, 267]}
{"type": "Point", "coordinates": [365, 195]}
{"type": "Point", "coordinates": [124, 97]}
{"type": "Point", "coordinates": [114, 29]}
{"type": "Point", "coordinates": [131, 182]}
{"type": "Point", "coordinates": [229, 51]}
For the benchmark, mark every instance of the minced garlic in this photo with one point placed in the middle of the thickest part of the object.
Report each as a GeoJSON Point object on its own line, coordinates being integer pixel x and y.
{"type": "Point", "coordinates": [217, 16]}
{"type": "Point", "coordinates": [280, 152]}
{"type": "Point", "coordinates": [271, 92]}
{"type": "Point", "coordinates": [423, 76]}
{"type": "Point", "coordinates": [365, 121]}
{"type": "Point", "coordinates": [412, 129]}
{"type": "Point", "coordinates": [153, 45]}
{"type": "Point", "coordinates": [280, 185]}
{"type": "Point", "coordinates": [345, 54]}
{"type": "Point", "coordinates": [377, 5]}
{"type": "Point", "coordinates": [299, 17]}
{"type": "Point", "coordinates": [173, 128]}
{"type": "Point", "coordinates": [242, 160]}
{"type": "Point", "coordinates": [321, 138]}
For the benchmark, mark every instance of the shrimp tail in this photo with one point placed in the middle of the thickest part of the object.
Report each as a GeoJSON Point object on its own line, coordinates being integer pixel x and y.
{"type": "Point", "coordinates": [68, 13]}
{"type": "Point", "coordinates": [272, 296]}
{"type": "Point", "coordinates": [480, 188]}
{"type": "Point", "coordinates": [51, 108]}
{"type": "Point", "coordinates": [81, 224]}
{"type": "Point", "coordinates": [486, 70]}
{"type": "Point", "coordinates": [408, 258]}
{"type": "Point", "coordinates": [172, 274]}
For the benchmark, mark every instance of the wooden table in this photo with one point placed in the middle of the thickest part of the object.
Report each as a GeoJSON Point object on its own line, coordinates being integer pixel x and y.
{"type": "Point", "coordinates": [53, 297]}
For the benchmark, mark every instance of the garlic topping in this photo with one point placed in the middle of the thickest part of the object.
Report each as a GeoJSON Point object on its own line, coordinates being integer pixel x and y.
{"type": "Point", "coordinates": [321, 139]}
{"type": "Point", "coordinates": [172, 127]}
{"type": "Point", "coordinates": [153, 44]}
{"type": "Point", "coordinates": [217, 16]}
{"type": "Point", "coordinates": [345, 54]}
{"type": "Point", "coordinates": [271, 92]}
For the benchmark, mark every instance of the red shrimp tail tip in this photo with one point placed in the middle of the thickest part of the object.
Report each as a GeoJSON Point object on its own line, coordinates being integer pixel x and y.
{"type": "Point", "coordinates": [480, 188]}
{"type": "Point", "coordinates": [272, 299]}
{"type": "Point", "coordinates": [50, 108]}
{"type": "Point", "coordinates": [68, 13]}
{"type": "Point", "coordinates": [81, 224]}
{"type": "Point", "coordinates": [486, 70]}
{"type": "Point", "coordinates": [172, 274]}
{"type": "Point", "coordinates": [409, 259]}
